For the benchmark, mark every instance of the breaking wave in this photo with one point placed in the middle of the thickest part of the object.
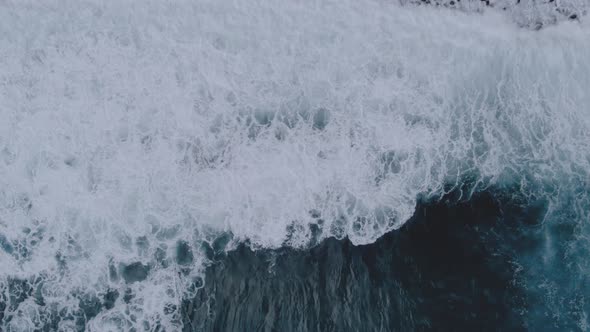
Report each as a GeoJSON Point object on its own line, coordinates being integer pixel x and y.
{"type": "Point", "coordinates": [136, 141]}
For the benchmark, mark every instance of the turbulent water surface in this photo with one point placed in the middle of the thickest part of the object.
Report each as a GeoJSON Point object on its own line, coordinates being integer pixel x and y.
{"type": "Point", "coordinates": [294, 166]}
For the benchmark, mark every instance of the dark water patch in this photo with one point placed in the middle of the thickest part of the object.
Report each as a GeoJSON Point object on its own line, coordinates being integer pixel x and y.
{"type": "Point", "coordinates": [90, 305]}
{"type": "Point", "coordinates": [184, 253]}
{"type": "Point", "coordinates": [5, 244]}
{"type": "Point", "coordinates": [451, 268]}
{"type": "Point", "coordinates": [160, 255]}
{"type": "Point", "coordinates": [18, 291]}
{"type": "Point", "coordinates": [321, 118]}
{"type": "Point", "coordinates": [128, 296]}
{"type": "Point", "coordinates": [135, 272]}
{"type": "Point", "coordinates": [217, 248]}
{"type": "Point", "coordinates": [109, 298]}
{"type": "Point", "coordinates": [207, 250]}
{"type": "Point", "coordinates": [220, 243]}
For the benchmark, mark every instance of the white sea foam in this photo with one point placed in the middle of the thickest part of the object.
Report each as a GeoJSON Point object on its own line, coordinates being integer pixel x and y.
{"type": "Point", "coordinates": [126, 128]}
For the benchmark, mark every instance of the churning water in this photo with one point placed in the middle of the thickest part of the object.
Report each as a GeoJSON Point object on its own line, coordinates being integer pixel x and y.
{"type": "Point", "coordinates": [293, 165]}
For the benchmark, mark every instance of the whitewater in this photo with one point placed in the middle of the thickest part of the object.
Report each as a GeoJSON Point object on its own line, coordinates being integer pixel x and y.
{"type": "Point", "coordinates": [133, 136]}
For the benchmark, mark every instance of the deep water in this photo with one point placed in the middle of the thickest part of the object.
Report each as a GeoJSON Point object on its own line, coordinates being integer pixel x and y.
{"type": "Point", "coordinates": [457, 265]}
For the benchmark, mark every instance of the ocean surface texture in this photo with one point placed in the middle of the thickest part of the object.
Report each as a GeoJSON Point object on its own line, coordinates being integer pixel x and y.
{"type": "Point", "coordinates": [351, 165]}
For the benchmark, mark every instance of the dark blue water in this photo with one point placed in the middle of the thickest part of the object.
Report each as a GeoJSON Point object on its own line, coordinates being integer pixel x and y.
{"type": "Point", "coordinates": [457, 265]}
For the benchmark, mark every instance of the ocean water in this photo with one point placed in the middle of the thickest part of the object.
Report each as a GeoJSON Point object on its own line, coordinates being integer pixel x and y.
{"type": "Point", "coordinates": [301, 165]}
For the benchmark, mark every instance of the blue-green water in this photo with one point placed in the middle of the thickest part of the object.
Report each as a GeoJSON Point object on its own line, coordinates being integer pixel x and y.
{"type": "Point", "coordinates": [476, 264]}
